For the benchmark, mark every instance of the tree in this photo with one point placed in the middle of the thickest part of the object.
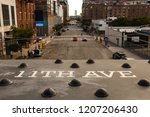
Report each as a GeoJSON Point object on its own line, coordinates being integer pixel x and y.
{"type": "Point", "coordinates": [86, 22]}
{"type": "Point", "coordinates": [22, 36]}
{"type": "Point", "coordinates": [58, 27]}
{"type": "Point", "coordinates": [134, 22]}
{"type": "Point", "coordinates": [140, 21]}
{"type": "Point", "coordinates": [120, 22]}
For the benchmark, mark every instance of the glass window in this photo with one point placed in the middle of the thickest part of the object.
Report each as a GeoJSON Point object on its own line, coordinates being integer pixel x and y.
{"type": "Point", "coordinates": [25, 15]}
{"type": "Point", "coordinates": [20, 15]}
{"type": "Point", "coordinates": [29, 16]}
{"type": "Point", "coordinates": [13, 15]}
{"type": "Point", "coordinates": [6, 18]}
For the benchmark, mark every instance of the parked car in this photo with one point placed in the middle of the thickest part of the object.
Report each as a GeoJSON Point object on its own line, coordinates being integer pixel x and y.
{"type": "Point", "coordinates": [37, 53]}
{"type": "Point", "coordinates": [119, 55]}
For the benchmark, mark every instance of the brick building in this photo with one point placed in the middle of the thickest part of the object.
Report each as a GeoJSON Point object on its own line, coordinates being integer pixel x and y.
{"type": "Point", "coordinates": [102, 11]}
{"type": "Point", "coordinates": [94, 11]}
{"type": "Point", "coordinates": [25, 13]}
{"type": "Point", "coordinates": [129, 11]}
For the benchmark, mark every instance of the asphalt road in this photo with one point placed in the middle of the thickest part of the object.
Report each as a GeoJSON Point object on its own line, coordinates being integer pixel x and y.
{"type": "Point", "coordinates": [64, 48]}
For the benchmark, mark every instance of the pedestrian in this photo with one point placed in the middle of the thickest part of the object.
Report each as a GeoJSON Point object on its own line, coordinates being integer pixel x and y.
{"type": "Point", "coordinates": [11, 54]}
{"type": "Point", "coordinates": [106, 40]}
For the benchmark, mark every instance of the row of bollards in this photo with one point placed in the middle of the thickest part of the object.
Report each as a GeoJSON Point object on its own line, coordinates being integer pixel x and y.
{"type": "Point", "coordinates": [75, 65]}
{"type": "Point", "coordinates": [102, 92]}
{"type": "Point", "coordinates": [50, 92]}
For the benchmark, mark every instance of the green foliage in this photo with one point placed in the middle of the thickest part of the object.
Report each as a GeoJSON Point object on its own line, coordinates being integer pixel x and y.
{"type": "Point", "coordinates": [140, 21]}
{"type": "Point", "coordinates": [120, 22]}
{"type": "Point", "coordinates": [86, 22]}
{"type": "Point", "coordinates": [22, 35]}
{"type": "Point", "coordinates": [133, 22]}
{"type": "Point", "coordinates": [58, 27]}
{"type": "Point", "coordinates": [78, 19]}
{"type": "Point", "coordinates": [21, 32]}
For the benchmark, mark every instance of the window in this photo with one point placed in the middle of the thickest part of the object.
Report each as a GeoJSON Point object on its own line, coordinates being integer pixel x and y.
{"type": "Point", "coordinates": [28, 6]}
{"type": "Point", "coordinates": [6, 18]}
{"type": "Point", "coordinates": [13, 15]}
{"type": "Point", "coordinates": [54, 8]}
{"type": "Point", "coordinates": [20, 15]}
{"type": "Point", "coordinates": [33, 16]}
{"type": "Point", "coordinates": [29, 16]}
{"type": "Point", "coordinates": [25, 15]}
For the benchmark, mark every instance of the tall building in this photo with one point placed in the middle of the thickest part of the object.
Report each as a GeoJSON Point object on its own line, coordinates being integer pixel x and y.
{"type": "Point", "coordinates": [7, 19]}
{"type": "Point", "coordinates": [75, 12]}
{"type": "Point", "coordinates": [49, 13]}
{"type": "Point", "coordinates": [45, 15]}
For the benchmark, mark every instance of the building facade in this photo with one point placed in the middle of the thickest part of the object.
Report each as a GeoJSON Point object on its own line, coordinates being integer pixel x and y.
{"type": "Point", "coordinates": [7, 19]}
{"type": "Point", "coordinates": [43, 13]}
{"type": "Point", "coordinates": [65, 6]}
{"type": "Point", "coordinates": [127, 9]}
{"type": "Point", "coordinates": [48, 14]}
{"type": "Point", "coordinates": [94, 11]}
{"type": "Point", "coordinates": [25, 13]}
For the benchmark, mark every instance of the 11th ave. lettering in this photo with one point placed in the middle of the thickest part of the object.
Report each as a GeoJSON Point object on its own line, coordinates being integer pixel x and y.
{"type": "Point", "coordinates": [71, 74]}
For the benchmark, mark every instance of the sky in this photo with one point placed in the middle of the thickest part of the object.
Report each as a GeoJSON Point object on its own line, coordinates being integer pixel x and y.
{"type": "Point", "coordinates": [75, 5]}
